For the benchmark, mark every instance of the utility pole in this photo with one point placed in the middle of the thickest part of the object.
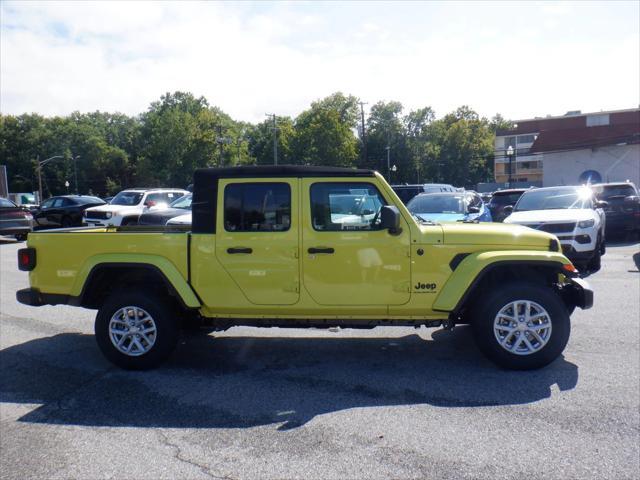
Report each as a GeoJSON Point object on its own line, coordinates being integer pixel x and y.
{"type": "Point", "coordinates": [275, 137]}
{"type": "Point", "coordinates": [364, 134]}
{"type": "Point", "coordinates": [221, 141]}
{"type": "Point", "coordinates": [388, 149]}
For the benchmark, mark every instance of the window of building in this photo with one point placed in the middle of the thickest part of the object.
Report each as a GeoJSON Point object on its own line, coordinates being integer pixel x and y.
{"type": "Point", "coordinates": [526, 139]}
{"type": "Point", "coordinates": [345, 206]}
{"type": "Point", "coordinates": [597, 120]}
{"type": "Point", "coordinates": [257, 207]}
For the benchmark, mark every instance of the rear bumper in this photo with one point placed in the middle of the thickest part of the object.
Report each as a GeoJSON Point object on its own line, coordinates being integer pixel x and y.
{"type": "Point", "coordinates": [578, 292]}
{"type": "Point", "coordinates": [34, 298]}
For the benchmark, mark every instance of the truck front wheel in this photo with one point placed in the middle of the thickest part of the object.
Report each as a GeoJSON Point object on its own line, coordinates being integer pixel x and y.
{"type": "Point", "coordinates": [135, 330]}
{"type": "Point", "coordinates": [522, 326]}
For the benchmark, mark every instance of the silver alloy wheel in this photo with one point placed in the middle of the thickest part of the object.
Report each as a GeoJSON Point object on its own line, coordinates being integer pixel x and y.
{"type": "Point", "coordinates": [132, 331]}
{"type": "Point", "coordinates": [522, 327]}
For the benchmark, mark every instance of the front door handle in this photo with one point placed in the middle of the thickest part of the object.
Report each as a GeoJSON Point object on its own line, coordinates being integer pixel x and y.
{"type": "Point", "coordinates": [313, 250]}
{"type": "Point", "coordinates": [239, 250]}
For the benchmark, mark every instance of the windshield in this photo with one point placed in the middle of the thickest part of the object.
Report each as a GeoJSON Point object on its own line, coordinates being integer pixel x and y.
{"type": "Point", "coordinates": [182, 202]}
{"type": "Point", "coordinates": [554, 199]}
{"type": "Point", "coordinates": [614, 191]}
{"type": "Point", "coordinates": [127, 198]}
{"type": "Point", "coordinates": [437, 203]}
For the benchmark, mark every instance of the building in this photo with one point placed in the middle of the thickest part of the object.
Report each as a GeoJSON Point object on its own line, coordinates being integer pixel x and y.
{"type": "Point", "coordinates": [573, 149]}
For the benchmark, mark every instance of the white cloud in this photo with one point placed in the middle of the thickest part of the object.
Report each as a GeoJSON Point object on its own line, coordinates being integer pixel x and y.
{"type": "Point", "coordinates": [56, 58]}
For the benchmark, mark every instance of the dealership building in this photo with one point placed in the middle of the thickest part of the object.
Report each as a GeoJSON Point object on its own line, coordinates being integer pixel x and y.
{"type": "Point", "coordinates": [573, 149]}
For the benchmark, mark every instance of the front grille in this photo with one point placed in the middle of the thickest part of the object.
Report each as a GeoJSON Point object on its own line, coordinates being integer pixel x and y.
{"type": "Point", "coordinates": [554, 227]}
{"type": "Point", "coordinates": [101, 215]}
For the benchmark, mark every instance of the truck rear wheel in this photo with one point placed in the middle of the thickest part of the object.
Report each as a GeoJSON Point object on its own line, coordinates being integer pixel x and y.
{"type": "Point", "coordinates": [522, 326]}
{"type": "Point", "coordinates": [135, 330]}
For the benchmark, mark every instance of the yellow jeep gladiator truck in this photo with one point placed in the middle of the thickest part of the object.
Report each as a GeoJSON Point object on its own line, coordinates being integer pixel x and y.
{"type": "Point", "coordinates": [294, 246]}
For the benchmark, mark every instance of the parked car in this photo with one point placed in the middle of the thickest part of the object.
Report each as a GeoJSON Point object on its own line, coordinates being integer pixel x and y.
{"type": "Point", "coordinates": [407, 192]}
{"type": "Point", "coordinates": [264, 251]}
{"type": "Point", "coordinates": [127, 206]}
{"type": "Point", "coordinates": [572, 214]}
{"type": "Point", "coordinates": [623, 206]}
{"type": "Point", "coordinates": [14, 220]}
{"type": "Point", "coordinates": [107, 199]}
{"type": "Point", "coordinates": [64, 211]}
{"type": "Point", "coordinates": [501, 199]}
{"type": "Point", "coordinates": [450, 207]}
{"type": "Point", "coordinates": [160, 215]}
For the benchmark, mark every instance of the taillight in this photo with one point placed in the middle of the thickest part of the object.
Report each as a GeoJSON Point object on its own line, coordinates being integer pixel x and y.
{"type": "Point", "coordinates": [27, 259]}
{"type": "Point", "coordinates": [569, 270]}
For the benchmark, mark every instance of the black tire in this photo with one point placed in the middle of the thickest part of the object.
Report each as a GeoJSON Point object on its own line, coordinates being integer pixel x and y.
{"type": "Point", "coordinates": [483, 326]}
{"type": "Point", "coordinates": [603, 245]}
{"type": "Point", "coordinates": [596, 261]}
{"type": "Point", "coordinates": [129, 221]}
{"type": "Point", "coordinates": [163, 315]}
{"type": "Point", "coordinates": [66, 222]}
{"type": "Point", "coordinates": [21, 237]}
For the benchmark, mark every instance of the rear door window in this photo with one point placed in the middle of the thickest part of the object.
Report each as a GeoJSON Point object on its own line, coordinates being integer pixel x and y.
{"type": "Point", "coordinates": [257, 207]}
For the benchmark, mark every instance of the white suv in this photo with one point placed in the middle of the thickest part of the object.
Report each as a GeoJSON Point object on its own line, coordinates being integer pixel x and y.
{"type": "Point", "coordinates": [572, 214]}
{"type": "Point", "coordinates": [128, 205]}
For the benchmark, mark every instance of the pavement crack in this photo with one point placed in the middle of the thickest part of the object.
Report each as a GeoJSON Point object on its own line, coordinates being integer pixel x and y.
{"type": "Point", "coordinates": [179, 455]}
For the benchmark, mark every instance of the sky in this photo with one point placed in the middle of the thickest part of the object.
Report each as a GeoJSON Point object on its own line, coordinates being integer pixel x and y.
{"type": "Point", "coordinates": [518, 59]}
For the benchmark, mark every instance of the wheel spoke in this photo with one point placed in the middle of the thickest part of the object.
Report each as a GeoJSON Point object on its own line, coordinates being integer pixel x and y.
{"type": "Point", "coordinates": [527, 343]}
{"type": "Point", "coordinates": [540, 326]}
{"type": "Point", "coordinates": [535, 335]}
{"type": "Point", "coordinates": [516, 343]}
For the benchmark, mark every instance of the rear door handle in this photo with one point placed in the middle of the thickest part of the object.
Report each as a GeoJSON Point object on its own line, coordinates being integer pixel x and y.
{"type": "Point", "coordinates": [239, 250]}
{"type": "Point", "coordinates": [313, 250]}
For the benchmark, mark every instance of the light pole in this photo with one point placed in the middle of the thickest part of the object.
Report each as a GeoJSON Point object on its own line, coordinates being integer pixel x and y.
{"type": "Point", "coordinates": [75, 171]}
{"type": "Point", "coordinates": [66, 184]}
{"type": "Point", "coordinates": [394, 169]}
{"type": "Point", "coordinates": [510, 153]}
{"type": "Point", "coordinates": [388, 149]}
{"type": "Point", "coordinates": [40, 165]}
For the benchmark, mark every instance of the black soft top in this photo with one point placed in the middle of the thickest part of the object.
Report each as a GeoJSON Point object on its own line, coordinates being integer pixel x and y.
{"type": "Point", "coordinates": [205, 185]}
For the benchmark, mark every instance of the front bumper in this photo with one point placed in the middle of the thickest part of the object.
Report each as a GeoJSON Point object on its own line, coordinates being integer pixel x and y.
{"type": "Point", "coordinates": [578, 292]}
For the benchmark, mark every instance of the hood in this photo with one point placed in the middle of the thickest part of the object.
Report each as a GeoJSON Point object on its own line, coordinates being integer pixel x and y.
{"type": "Point", "coordinates": [160, 217]}
{"type": "Point", "coordinates": [494, 234]}
{"type": "Point", "coordinates": [551, 216]}
{"type": "Point", "coordinates": [114, 208]}
{"type": "Point", "coordinates": [181, 220]}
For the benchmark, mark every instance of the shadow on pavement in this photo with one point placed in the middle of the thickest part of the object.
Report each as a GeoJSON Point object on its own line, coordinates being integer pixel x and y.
{"type": "Point", "coordinates": [239, 382]}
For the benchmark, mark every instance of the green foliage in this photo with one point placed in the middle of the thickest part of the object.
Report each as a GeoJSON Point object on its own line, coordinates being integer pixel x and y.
{"type": "Point", "coordinates": [181, 132]}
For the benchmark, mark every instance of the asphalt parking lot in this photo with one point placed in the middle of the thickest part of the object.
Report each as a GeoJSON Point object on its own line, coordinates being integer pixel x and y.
{"type": "Point", "coordinates": [250, 403]}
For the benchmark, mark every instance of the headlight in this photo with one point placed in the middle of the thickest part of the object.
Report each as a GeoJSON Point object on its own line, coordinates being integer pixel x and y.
{"type": "Point", "coordinates": [109, 214]}
{"type": "Point", "coordinates": [586, 223]}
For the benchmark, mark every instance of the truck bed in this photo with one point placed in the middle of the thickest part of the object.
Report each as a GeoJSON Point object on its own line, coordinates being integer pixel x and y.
{"type": "Point", "coordinates": [68, 255]}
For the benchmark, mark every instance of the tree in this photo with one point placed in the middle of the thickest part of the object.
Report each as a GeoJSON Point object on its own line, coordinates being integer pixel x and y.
{"type": "Point", "coordinates": [324, 134]}
{"type": "Point", "coordinates": [260, 141]}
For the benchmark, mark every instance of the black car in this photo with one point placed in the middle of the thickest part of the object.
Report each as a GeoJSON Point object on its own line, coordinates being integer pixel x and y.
{"type": "Point", "coordinates": [501, 199]}
{"type": "Point", "coordinates": [161, 216]}
{"type": "Point", "coordinates": [623, 206]}
{"type": "Point", "coordinates": [14, 220]}
{"type": "Point", "coordinates": [64, 211]}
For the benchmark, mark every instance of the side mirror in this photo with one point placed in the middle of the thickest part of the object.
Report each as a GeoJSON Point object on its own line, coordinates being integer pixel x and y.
{"type": "Point", "coordinates": [508, 210]}
{"type": "Point", "coordinates": [632, 199]}
{"type": "Point", "coordinates": [390, 219]}
{"type": "Point", "coordinates": [473, 210]}
{"type": "Point", "coordinates": [600, 204]}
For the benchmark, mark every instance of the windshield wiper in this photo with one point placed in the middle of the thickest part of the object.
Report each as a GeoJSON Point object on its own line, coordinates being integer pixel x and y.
{"type": "Point", "coordinates": [424, 220]}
